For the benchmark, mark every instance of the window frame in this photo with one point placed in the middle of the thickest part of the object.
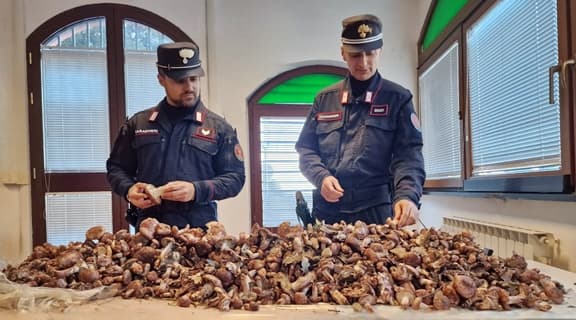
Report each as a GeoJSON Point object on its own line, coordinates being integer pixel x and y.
{"type": "Point", "coordinates": [447, 44]}
{"type": "Point", "coordinates": [448, 32]}
{"type": "Point", "coordinates": [114, 14]}
{"type": "Point", "coordinates": [257, 110]}
{"type": "Point", "coordinates": [571, 81]}
{"type": "Point", "coordinates": [524, 185]}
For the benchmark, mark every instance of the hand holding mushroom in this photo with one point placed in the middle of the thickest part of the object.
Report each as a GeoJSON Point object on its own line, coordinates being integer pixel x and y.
{"type": "Point", "coordinates": [405, 213]}
{"type": "Point", "coordinates": [145, 195]}
{"type": "Point", "coordinates": [138, 196]}
{"type": "Point", "coordinates": [182, 191]}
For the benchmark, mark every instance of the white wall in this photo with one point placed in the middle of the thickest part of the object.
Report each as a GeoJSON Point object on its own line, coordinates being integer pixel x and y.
{"type": "Point", "coordinates": [15, 220]}
{"type": "Point", "coordinates": [244, 43]}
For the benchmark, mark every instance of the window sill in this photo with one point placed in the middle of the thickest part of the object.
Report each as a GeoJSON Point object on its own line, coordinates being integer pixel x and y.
{"type": "Point", "coordinates": [505, 196]}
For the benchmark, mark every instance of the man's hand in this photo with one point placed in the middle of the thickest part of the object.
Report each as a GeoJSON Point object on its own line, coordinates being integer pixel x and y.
{"type": "Point", "coordinates": [405, 213]}
{"type": "Point", "coordinates": [182, 191]}
{"type": "Point", "coordinates": [138, 197]}
{"type": "Point", "coordinates": [331, 190]}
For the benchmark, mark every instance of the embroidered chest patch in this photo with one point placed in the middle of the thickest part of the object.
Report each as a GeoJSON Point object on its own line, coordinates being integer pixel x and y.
{"type": "Point", "coordinates": [329, 116]}
{"type": "Point", "coordinates": [205, 133]}
{"type": "Point", "coordinates": [146, 132]}
{"type": "Point", "coordinates": [379, 110]}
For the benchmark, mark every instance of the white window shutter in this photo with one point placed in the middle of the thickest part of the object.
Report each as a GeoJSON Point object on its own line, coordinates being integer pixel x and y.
{"type": "Point", "coordinates": [441, 127]}
{"type": "Point", "coordinates": [514, 128]}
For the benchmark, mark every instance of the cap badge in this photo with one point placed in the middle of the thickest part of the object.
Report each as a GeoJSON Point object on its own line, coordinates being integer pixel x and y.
{"type": "Point", "coordinates": [186, 54]}
{"type": "Point", "coordinates": [363, 30]}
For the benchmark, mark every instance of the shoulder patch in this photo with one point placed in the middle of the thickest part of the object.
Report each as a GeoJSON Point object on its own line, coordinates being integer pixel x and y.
{"type": "Point", "coordinates": [415, 121]}
{"type": "Point", "coordinates": [238, 153]}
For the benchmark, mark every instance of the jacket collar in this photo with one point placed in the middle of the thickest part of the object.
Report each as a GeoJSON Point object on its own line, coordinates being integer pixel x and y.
{"type": "Point", "coordinates": [198, 115]}
{"type": "Point", "coordinates": [368, 96]}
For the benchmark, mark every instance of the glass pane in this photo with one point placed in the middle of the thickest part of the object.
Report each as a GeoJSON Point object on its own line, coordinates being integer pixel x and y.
{"type": "Point", "coordinates": [129, 35]}
{"type": "Point", "coordinates": [444, 12]}
{"type": "Point", "coordinates": [67, 38]}
{"type": "Point", "coordinates": [514, 128]}
{"type": "Point", "coordinates": [299, 90]}
{"type": "Point", "coordinates": [440, 105]}
{"type": "Point", "coordinates": [142, 88]}
{"type": "Point", "coordinates": [143, 38]}
{"type": "Point", "coordinates": [96, 34]}
{"type": "Point", "coordinates": [81, 35]}
{"type": "Point", "coordinates": [89, 33]}
{"type": "Point", "coordinates": [75, 102]}
{"type": "Point", "coordinates": [281, 176]}
{"type": "Point", "coordinates": [69, 215]}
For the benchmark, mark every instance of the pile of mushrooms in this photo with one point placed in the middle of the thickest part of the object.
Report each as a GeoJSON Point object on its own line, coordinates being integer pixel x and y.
{"type": "Point", "coordinates": [360, 265]}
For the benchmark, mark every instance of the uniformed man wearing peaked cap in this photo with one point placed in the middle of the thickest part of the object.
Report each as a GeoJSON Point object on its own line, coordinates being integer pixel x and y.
{"type": "Point", "coordinates": [361, 145]}
{"type": "Point", "coordinates": [361, 33]}
{"type": "Point", "coordinates": [179, 60]}
{"type": "Point", "coordinates": [175, 160]}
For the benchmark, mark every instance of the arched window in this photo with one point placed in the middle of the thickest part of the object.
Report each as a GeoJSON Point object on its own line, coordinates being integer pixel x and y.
{"type": "Point", "coordinates": [88, 69]}
{"type": "Point", "coordinates": [277, 111]}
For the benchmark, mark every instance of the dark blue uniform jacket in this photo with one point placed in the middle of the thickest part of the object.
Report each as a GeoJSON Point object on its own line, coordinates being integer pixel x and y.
{"type": "Point", "coordinates": [372, 144]}
{"type": "Point", "coordinates": [202, 148]}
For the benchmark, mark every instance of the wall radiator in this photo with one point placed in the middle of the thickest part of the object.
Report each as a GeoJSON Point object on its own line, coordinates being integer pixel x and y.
{"type": "Point", "coordinates": [505, 240]}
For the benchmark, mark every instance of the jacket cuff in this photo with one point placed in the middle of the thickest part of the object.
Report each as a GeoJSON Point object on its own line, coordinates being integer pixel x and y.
{"type": "Point", "coordinates": [124, 189]}
{"type": "Point", "coordinates": [321, 178]}
{"type": "Point", "coordinates": [204, 191]}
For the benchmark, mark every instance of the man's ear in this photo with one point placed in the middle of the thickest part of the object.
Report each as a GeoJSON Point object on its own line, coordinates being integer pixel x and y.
{"type": "Point", "coordinates": [161, 79]}
{"type": "Point", "coordinates": [342, 53]}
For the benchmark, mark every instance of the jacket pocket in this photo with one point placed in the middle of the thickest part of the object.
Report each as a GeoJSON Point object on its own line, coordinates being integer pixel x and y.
{"type": "Point", "coordinates": [196, 162]}
{"type": "Point", "coordinates": [381, 123]}
{"type": "Point", "coordinates": [329, 134]}
{"type": "Point", "coordinates": [204, 145]}
{"type": "Point", "coordinates": [146, 140]}
{"type": "Point", "coordinates": [377, 142]}
{"type": "Point", "coordinates": [148, 149]}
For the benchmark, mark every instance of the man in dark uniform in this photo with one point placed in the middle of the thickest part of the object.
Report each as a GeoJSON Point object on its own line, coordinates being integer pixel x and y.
{"type": "Point", "coordinates": [361, 145]}
{"type": "Point", "coordinates": [190, 153]}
